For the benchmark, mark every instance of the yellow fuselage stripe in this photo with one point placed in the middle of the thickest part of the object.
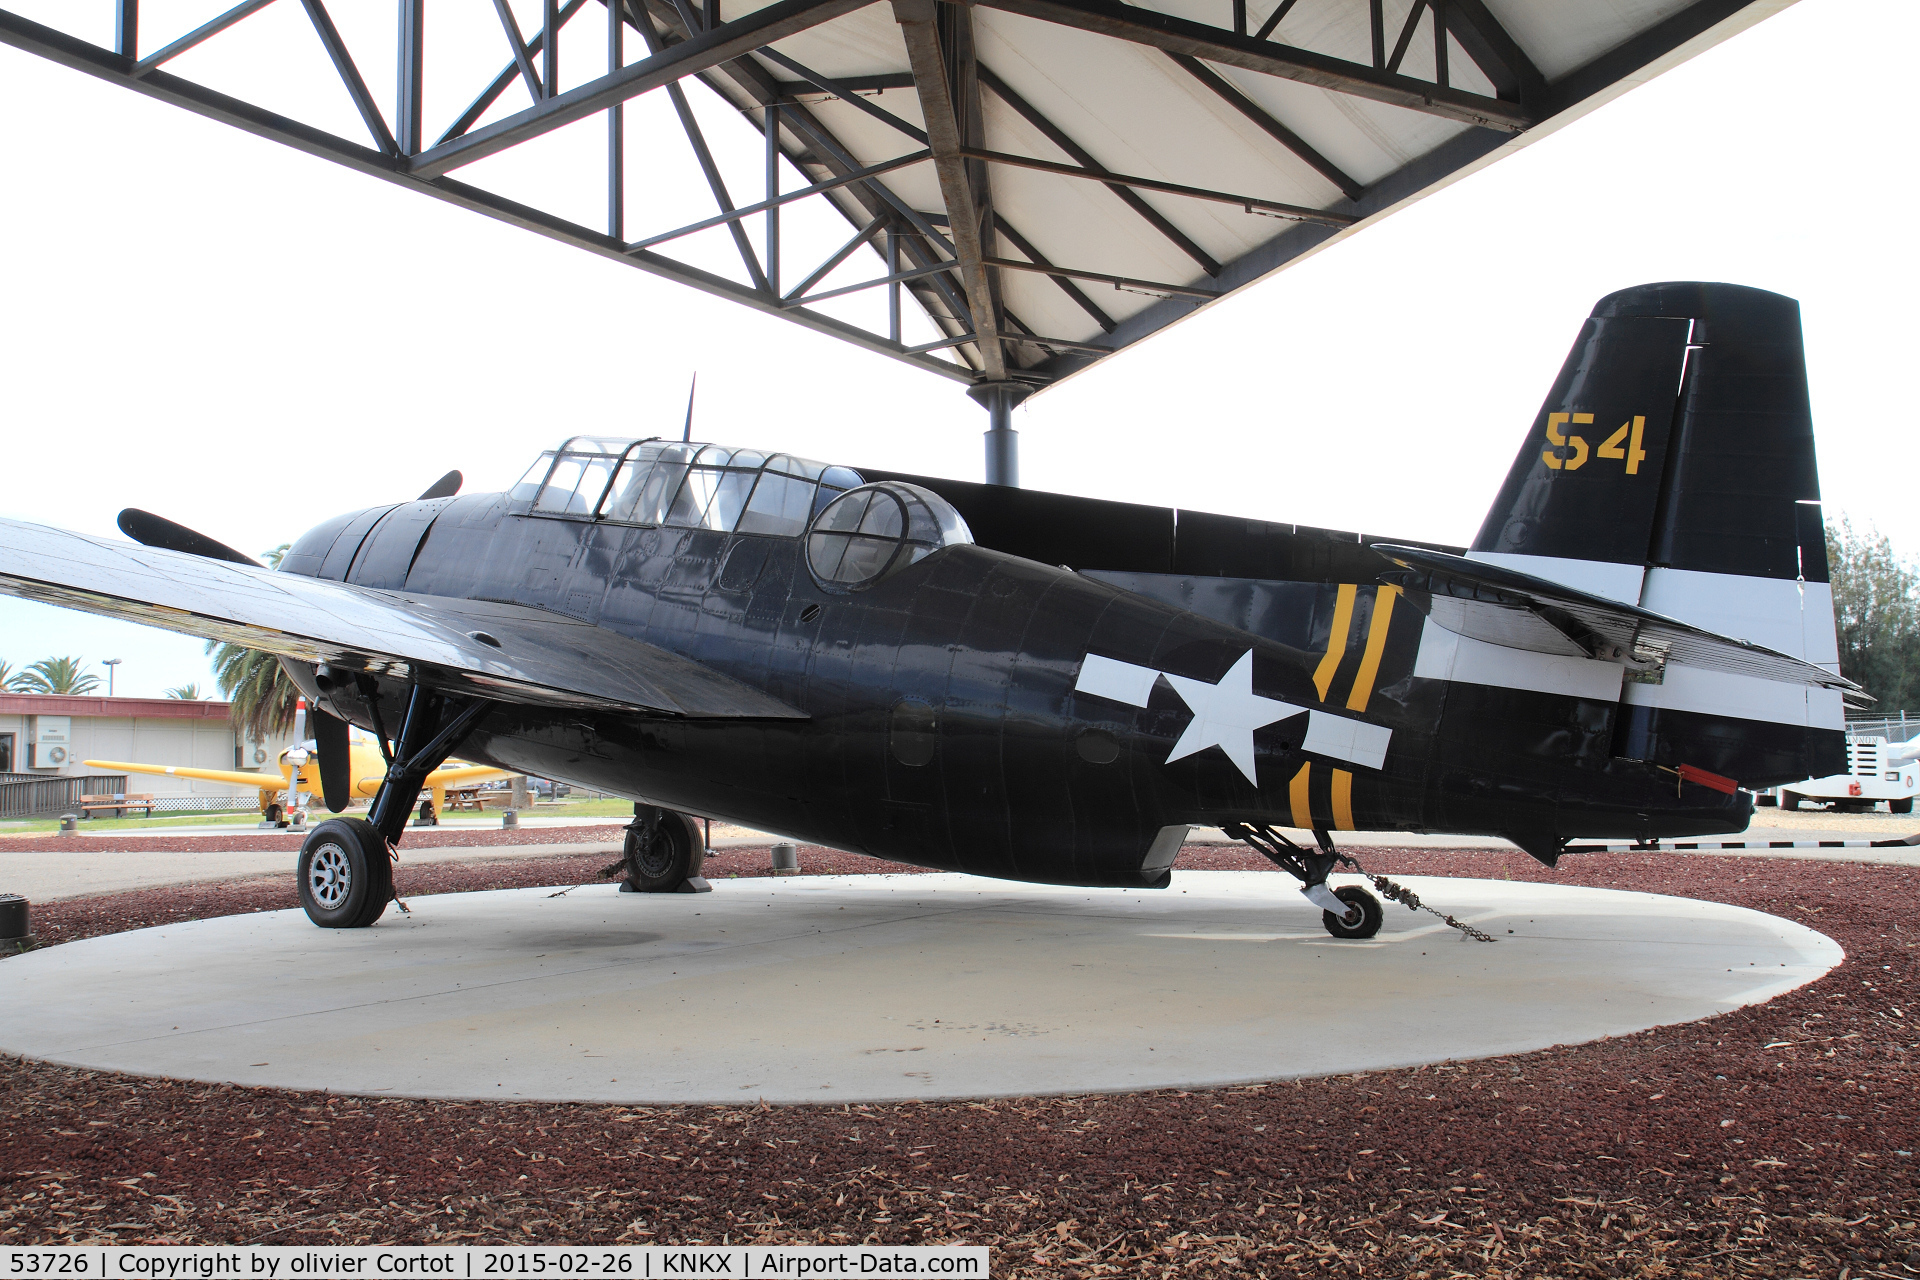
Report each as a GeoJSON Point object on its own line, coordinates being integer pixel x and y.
{"type": "Point", "coordinates": [1297, 793]}
{"type": "Point", "coordinates": [1342, 800]}
{"type": "Point", "coordinates": [1383, 599]}
{"type": "Point", "coordinates": [1336, 640]}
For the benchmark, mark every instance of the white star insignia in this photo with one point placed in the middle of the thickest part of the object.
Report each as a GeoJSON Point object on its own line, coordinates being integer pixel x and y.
{"type": "Point", "coordinates": [1226, 714]}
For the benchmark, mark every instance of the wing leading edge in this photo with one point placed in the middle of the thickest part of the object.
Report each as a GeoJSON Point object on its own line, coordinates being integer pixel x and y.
{"type": "Point", "coordinates": [472, 647]}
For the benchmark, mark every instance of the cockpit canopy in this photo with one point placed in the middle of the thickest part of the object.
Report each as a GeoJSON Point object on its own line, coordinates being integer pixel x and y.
{"type": "Point", "coordinates": [684, 486]}
{"type": "Point", "coordinates": [859, 532]}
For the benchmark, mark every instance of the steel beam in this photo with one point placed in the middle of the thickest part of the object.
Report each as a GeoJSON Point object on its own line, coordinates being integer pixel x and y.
{"type": "Point", "coordinates": [491, 94]}
{"type": "Point", "coordinates": [1499, 57]}
{"type": "Point", "coordinates": [205, 31]}
{"type": "Point", "coordinates": [847, 93]}
{"type": "Point", "coordinates": [1217, 44]}
{"type": "Point", "coordinates": [1349, 187]}
{"type": "Point", "coordinates": [1614, 66]}
{"type": "Point", "coordinates": [1068, 287]}
{"type": "Point", "coordinates": [126, 28]}
{"type": "Point", "coordinates": [801, 193]}
{"type": "Point", "coordinates": [1274, 19]}
{"type": "Point", "coordinates": [840, 255]}
{"type": "Point", "coordinates": [1292, 212]}
{"type": "Point", "coordinates": [104, 64]}
{"type": "Point", "coordinates": [616, 123]}
{"type": "Point", "coordinates": [350, 76]}
{"type": "Point", "coordinates": [1118, 282]}
{"type": "Point", "coordinates": [1060, 138]}
{"type": "Point", "coordinates": [521, 57]}
{"type": "Point", "coordinates": [550, 55]}
{"type": "Point", "coordinates": [912, 273]}
{"type": "Point", "coordinates": [410, 75]}
{"type": "Point", "coordinates": [699, 52]}
{"type": "Point", "coordinates": [916, 21]}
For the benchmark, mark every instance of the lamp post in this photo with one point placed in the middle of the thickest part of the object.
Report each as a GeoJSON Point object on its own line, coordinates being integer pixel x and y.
{"type": "Point", "coordinates": [110, 664]}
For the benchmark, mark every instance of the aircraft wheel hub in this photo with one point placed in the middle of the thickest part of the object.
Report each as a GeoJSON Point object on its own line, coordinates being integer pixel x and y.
{"type": "Point", "coordinates": [330, 877]}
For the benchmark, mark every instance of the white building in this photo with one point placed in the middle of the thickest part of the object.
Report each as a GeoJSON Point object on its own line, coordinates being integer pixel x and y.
{"type": "Point", "coordinates": [47, 735]}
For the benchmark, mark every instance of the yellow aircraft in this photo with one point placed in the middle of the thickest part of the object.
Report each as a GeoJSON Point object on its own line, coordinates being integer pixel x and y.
{"type": "Point", "coordinates": [367, 769]}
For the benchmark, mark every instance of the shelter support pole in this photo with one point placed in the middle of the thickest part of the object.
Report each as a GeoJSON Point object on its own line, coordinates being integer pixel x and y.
{"type": "Point", "coordinates": [1003, 443]}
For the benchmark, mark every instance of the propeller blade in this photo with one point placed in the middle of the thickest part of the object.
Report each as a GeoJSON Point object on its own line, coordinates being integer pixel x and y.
{"type": "Point", "coordinates": [330, 741]}
{"type": "Point", "coordinates": [150, 530]}
{"type": "Point", "coordinates": [445, 487]}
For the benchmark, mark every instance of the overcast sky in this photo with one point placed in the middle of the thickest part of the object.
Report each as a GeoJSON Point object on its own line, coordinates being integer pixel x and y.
{"type": "Point", "coordinates": [249, 340]}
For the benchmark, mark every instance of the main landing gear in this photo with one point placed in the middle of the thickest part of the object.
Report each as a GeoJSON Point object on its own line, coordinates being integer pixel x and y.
{"type": "Point", "coordinates": [346, 864]}
{"type": "Point", "coordinates": [1347, 912]}
{"type": "Point", "coordinates": [663, 853]}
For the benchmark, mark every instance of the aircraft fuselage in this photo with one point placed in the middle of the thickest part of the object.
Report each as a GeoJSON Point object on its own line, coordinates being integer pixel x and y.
{"type": "Point", "coordinates": [954, 718]}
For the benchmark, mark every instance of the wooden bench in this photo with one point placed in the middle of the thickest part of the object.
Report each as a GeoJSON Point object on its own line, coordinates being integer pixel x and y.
{"type": "Point", "coordinates": [118, 803]}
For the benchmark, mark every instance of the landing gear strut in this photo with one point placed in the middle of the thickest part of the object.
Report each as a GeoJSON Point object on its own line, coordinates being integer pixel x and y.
{"type": "Point", "coordinates": [346, 864]}
{"type": "Point", "coordinates": [1347, 912]}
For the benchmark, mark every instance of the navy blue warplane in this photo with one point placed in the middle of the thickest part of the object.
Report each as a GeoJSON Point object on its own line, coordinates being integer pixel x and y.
{"type": "Point", "coordinates": [1049, 688]}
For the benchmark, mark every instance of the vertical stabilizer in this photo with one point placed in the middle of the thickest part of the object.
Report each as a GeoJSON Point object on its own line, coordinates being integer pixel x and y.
{"type": "Point", "coordinates": [1672, 466]}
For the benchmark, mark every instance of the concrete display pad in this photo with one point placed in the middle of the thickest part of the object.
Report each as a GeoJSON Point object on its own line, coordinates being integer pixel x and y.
{"type": "Point", "coordinates": [870, 988]}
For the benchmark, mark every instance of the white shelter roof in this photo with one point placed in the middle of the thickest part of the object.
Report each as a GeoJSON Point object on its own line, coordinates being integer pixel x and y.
{"type": "Point", "coordinates": [1029, 185]}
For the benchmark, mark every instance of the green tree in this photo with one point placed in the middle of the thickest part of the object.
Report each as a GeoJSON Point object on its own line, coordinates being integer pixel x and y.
{"type": "Point", "coordinates": [261, 694]}
{"type": "Point", "coordinates": [58, 675]}
{"type": "Point", "coordinates": [10, 680]}
{"type": "Point", "coordinates": [1876, 607]}
{"type": "Point", "coordinates": [189, 692]}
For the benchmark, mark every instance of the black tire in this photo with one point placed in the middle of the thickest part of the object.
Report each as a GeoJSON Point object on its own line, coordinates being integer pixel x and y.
{"type": "Point", "coordinates": [1900, 806]}
{"type": "Point", "coordinates": [1790, 800]}
{"type": "Point", "coordinates": [273, 814]}
{"type": "Point", "coordinates": [428, 814]}
{"type": "Point", "coordinates": [1370, 914]}
{"type": "Point", "coordinates": [674, 855]}
{"type": "Point", "coordinates": [1765, 799]}
{"type": "Point", "coordinates": [346, 877]}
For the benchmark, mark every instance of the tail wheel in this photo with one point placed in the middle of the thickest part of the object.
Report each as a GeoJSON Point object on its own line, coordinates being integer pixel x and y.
{"type": "Point", "coordinates": [1364, 924]}
{"type": "Point", "coordinates": [346, 877]}
{"type": "Point", "coordinates": [670, 858]}
{"type": "Point", "coordinates": [272, 814]}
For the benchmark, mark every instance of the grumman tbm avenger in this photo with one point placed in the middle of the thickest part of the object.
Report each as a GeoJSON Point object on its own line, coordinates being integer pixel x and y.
{"type": "Point", "coordinates": [1056, 689]}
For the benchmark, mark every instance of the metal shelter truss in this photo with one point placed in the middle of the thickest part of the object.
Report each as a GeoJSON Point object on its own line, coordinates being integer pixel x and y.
{"type": "Point", "coordinates": [1046, 182]}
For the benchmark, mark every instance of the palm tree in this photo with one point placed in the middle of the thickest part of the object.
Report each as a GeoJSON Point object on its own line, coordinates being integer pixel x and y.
{"type": "Point", "coordinates": [11, 680]}
{"type": "Point", "coordinates": [58, 675]}
{"type": "Point", "coordinates": [189, 692]}
{"type": "Point", "coordinates": [261, 694]}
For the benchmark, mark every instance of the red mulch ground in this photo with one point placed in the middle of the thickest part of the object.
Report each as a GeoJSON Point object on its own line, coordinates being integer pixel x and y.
{"type": "Point", "coordinates": [1766, 1142]}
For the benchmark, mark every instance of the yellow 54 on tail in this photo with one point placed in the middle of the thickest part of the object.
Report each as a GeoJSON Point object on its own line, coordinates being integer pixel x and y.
{"type": "Point", "coordinates": [1631, 432]}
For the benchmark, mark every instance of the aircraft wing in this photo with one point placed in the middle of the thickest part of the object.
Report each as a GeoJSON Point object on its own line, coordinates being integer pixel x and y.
{"type": "Point", "coordinates": [232, 777]}
{"type": "Point", "coordinates": [540, 658]}
{"type": "Point", "coordinates": [461, 773]}
{"type": "Point", "coordinates": [1519, 611]}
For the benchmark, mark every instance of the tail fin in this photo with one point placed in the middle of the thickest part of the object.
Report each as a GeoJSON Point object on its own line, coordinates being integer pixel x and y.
{"type": "Point", "coordinates": [1672, 466]}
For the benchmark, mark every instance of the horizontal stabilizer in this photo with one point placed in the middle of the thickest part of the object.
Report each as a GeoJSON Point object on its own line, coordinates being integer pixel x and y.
{"type": "Point", "coordinates": [1519, 611]}
{"type": "Point", "coordinates": [469, 647]}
